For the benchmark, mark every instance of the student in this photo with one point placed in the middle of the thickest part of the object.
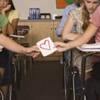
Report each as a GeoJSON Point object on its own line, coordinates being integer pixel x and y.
{"type": "Point", "coordinates": [4, 64]}
{"type": "Point", "coordinates": [8, 25]}
{"type": "Point", "coordinates": [93, 29]}
{"type": "Point", "coordinates": [8, 10]}
{"type": "Point", "coordinates": [11, 45]}
{"type": "Point", "coordinates": [72, 6]}
{"type": "Point", "coordinates": [66, 12]}
{"type": "Point", "coordinates": [79, 18]}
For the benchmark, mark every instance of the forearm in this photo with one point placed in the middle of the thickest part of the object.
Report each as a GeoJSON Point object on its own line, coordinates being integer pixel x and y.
{"type": "Point", "coordinates": [84, 38]}
{"type": "Point", "coordinates": [75, 43]}
{"type": "Point", "coordinates": [71, 36]}
{"type": "Point", "coordinates": [12, 27]}
{"type": "Point", "coordinates": [11, 45]}
{"type": "Point", "coordinates": [66, 33]}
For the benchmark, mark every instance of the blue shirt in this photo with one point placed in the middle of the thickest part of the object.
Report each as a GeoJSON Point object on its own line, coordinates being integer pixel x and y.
{"type": "Point", "coordinates": [67, 10]}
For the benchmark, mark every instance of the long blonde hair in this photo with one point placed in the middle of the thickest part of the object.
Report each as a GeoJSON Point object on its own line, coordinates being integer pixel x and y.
{"type": "Point", "coordinates": [85, 17]}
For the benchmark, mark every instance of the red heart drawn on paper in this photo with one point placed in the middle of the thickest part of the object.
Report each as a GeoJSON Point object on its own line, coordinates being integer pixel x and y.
{"type": "Point", "coordinates": [45, 45]}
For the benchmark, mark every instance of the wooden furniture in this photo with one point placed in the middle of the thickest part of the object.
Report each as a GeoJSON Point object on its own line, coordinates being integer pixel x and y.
{"type": "Point", "coordinates": [40, 29]}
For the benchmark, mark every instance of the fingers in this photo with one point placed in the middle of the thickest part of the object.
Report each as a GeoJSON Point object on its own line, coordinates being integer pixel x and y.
{"type": "Point", "coordinates": [61, 47]}
{"type": "Point", "coordinates": [35, 55]}
{"type": "Point", "coordinates": [32, 51]}
{"type": "Point", "coordinates": [35, 48]}
{"type": "Point", "coordinates": [59, 44]}
{"type": "Point", "coordinates": [7, 8]}
{"type": "Point", "coordinates": [36, 51]}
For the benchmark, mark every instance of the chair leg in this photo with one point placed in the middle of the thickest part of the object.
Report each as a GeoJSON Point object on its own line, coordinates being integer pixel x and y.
{"type": "Point", "coordinates": [2, 97]}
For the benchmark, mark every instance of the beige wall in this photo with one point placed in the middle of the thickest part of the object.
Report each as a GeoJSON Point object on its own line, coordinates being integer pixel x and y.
{"type": "Point", "coordinates": [45, 5]}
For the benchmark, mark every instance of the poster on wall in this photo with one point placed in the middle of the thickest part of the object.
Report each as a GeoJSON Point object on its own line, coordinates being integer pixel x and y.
{"type": "Point", "coordinates": [60, 4]}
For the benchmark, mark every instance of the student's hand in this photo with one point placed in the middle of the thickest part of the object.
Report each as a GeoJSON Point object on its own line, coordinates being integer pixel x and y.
{"type": "Point", "coordinates": [36, 52]}
{"type": "Point", "coordinates": [6, 9]}
{"type": "Point", "coordinates": [61, 47]}
{"type": "Point", "coordinates": [33, 51]}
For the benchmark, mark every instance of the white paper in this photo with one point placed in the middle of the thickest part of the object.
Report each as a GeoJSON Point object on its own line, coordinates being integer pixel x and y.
{"type": "Point", "coordinates": [46, 46]}
{"type": "Point", "coordinates": [95, 47]}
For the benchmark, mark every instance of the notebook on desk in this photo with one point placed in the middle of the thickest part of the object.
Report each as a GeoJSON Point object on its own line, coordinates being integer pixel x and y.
{"type": "Point", "coordinates": [95, 47]}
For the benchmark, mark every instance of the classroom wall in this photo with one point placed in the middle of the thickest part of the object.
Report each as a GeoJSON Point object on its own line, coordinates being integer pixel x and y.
{"type": "Point", "coordinates": [45, 6]}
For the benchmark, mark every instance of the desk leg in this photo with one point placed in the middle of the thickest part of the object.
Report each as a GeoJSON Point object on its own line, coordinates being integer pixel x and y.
{"type": "Point", "coordinates": [67, 74]}
{"type": "Point", "coordinates": [65, 84]}
{"type": "Point", "coordinates": [83, 76]}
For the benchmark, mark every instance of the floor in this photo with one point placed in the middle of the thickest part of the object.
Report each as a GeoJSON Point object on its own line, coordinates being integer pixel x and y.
{"type": "Point", "coordinates": [43, 81]}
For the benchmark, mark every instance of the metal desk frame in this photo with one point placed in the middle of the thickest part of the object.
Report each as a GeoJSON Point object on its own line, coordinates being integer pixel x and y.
{"type": "Point", "coordinates": [67, 72]}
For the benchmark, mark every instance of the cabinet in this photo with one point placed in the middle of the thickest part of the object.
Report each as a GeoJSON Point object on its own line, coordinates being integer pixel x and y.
{"type": "Point", "coordinates": [40, 29]}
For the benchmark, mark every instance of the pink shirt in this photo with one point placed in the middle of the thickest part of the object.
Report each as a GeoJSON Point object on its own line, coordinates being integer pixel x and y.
{"type": "Point", "coordinates": [95, 19]}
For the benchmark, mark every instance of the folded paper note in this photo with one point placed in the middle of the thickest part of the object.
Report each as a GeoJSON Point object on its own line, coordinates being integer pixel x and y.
{"type": "Point", "coordinates": [46, 46]}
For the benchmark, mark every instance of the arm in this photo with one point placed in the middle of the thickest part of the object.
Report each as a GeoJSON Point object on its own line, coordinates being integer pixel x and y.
{"type": "Point", "coordinates": [71, 36]}
{"type": "Point", "coordinates": [89, 33]}
{"type": "Point", "coordinates": [12, 27]}
{"type": "Point", "coordinates": [11, 45]}
{"type": "Point", "coordinates": [12, 18]}
{"type": "Point", "coordinates": [62, 22]}
{"type": "Point", "coordinates": [66, 12]}
{"type": "Point", "coordinates": [66, 34]}
{"type": "Point", "coordinates": [15, 47]}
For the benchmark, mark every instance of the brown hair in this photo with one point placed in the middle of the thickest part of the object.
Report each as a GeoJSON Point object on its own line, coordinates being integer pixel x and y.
{"type": "Point", "coordinates": [78, 2]}
{"type": "Point", "coordinates": [12, 4]}
{"type": "Point", "coordinates": [85, 17]}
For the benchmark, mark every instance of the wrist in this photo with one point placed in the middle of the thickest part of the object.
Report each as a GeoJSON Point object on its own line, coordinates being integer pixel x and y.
{"type": "Point", "coordinates": [67, 46]}
{"type": "Point", "coordinates": [24, 50]}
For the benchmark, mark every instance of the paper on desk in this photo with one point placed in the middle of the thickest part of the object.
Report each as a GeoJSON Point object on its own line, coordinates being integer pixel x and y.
{"type": "Point", "coordinates": [46, 46]}
{"type": "Point", "coordinates": [90, 47]}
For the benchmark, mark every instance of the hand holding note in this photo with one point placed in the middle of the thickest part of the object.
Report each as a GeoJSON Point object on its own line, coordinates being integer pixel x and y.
{"type": "Point", "coordinates": [46, 46]}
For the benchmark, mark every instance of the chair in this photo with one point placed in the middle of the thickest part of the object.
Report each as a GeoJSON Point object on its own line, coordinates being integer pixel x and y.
{"type": "Point", "coordinates": [74, 85]}
{"type": "Point", "coordinates": [88, 50]}
{"type": "Point", "coordinates": [18, 60]}
{"type": "Point", "coordinates": [1, 95]}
